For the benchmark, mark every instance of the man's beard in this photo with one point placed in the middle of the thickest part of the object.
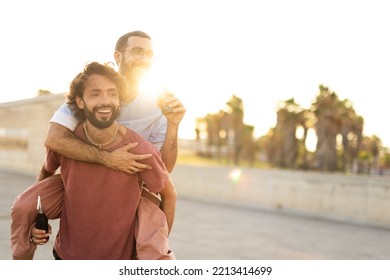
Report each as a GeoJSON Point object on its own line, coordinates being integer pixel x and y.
{"type": "Point", "coordinates": [90, 115]}
{"type": "Point", "coordinates": [134, 71]}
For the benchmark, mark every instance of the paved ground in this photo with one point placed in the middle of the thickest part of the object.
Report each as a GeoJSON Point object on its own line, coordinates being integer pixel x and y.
{"type": "Point", "coordinates": [218, 232]}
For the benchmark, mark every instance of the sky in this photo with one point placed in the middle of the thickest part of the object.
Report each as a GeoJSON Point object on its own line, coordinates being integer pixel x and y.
{"type": "Point", "coordinates": [262, 51]}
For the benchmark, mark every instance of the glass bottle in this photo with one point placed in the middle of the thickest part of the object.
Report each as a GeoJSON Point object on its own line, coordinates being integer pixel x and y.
{"type": "Point", "coordinates": [41, 221]}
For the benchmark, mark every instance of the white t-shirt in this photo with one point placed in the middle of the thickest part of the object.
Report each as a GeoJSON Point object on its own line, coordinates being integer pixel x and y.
{"type": "Point", "coordinates": [141, 115]}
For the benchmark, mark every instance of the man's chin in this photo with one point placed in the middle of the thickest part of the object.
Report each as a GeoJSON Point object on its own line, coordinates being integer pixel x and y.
{"type": "Point", "coordinates": [139, 71]}
{"type": "Point", "coordinates": [102, 123]}
{"type": "Point", "coordinates": [135, 75]}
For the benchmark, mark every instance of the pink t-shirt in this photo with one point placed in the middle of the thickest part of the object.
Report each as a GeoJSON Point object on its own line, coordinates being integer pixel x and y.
{"type": "Point", "coordinates": [100, 203]}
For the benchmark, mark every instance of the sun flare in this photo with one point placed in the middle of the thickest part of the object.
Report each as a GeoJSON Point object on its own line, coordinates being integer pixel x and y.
{"type": "Point", "coordinates": [152, 85]}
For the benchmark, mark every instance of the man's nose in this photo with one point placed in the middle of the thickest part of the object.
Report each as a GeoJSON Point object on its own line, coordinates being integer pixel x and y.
{"type": "Point", "coordinates": [106, 98]}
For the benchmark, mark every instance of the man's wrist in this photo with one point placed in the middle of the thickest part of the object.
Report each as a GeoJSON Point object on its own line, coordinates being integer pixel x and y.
{"type": "Point", "coordinates": [102, 157]}
{"type": "Point", "coordinates": [173, 125]}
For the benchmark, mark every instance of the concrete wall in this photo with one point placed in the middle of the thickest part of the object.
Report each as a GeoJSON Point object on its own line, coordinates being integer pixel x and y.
{"type": "Point", "coordinates": [352, 197]}
{"type": "Point", "coordinates": [342, 197]}
{"type": "Point", "coordinates": [27, 119]}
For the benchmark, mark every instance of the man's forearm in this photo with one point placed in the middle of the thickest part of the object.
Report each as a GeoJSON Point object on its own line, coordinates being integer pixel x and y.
{"type": "Point", "coordinates": [169, 150]}
{"type": "Point", "coordinates": [168, 203]}
{"type": "Point", "coordinates": [43, 174]}
{"type": "Point", "coordinates": [63, 141]}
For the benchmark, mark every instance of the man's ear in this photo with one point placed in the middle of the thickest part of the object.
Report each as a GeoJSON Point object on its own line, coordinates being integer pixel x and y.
{"type": "Point", "coordinates": [80, 102]}
{"type": "Point", "coordinates": [117, 57]}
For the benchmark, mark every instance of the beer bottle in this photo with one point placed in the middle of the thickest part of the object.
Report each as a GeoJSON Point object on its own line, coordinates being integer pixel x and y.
{"type": "Point", "coordinates": [41, 221]}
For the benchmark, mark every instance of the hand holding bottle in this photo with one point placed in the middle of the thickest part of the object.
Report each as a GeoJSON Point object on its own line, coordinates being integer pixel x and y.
{"type": "Point", "coordinates": [39, 236]}
{"type": "Point", "coordinates": [40, 233]}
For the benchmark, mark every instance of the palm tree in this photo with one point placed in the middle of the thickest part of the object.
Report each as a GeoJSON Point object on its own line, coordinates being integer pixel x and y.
{"type": "Point", "coordinates": [375, 147]}
{"type": "Point", "coordinates": [235, 109]}
{"type": "Point", "coordinates": [210, 125]}
{"type": "Point", "coordinates": [227, 129]}
{"type": "Point", "coordinates": [351, 132]}
{"type": "Point", "coordinates": [328, 113]}
{"type": "Point", "coordinates": [289, 116]}
{"type": "Point", "coordinates": [248, 144]}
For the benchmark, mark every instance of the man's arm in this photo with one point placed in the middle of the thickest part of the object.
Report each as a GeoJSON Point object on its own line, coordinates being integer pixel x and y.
{"type": "Point", "coordinates": [43, 174]}
{"type": "Point", "coordinates": [63, 141]}
{"type": "Point", "coordinates": [168, 202]}
{"type": "Point", "coordinates": [169, 150]}
{"type": "Point", "coordinates": [174, 111]}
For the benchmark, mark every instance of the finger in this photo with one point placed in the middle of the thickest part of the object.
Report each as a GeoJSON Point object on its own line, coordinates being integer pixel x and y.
{"type": "Point", "coordinates": [179, 110]}
{"type": "Point", "coordinates": [134, 169]}
{"type": "Point", "coordinates": [129, 171]}
{"type": "Point", "coordinates": [174, 104]}
{"type": "Point", "coordinates": [36, 231]}
{"type": "Point", "coordinates": [167, 110]}
{"type": "Point", "coordinates": [140, 157]}
{"type": "Point", "coordinates": [130, 146]}
{"type": "Point", "coordinates": [39, 241]}
{"type": "Point", "coordinates": [137, 168]}
{"type": "Point", "coordinates": [40, 233]}
{"type": "Point", "coordinates": [40, 236]}
{"type": "Point", "coordinates": [141, 166]}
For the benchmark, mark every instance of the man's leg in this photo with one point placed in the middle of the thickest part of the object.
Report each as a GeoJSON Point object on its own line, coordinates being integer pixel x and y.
{"type": "Point", "coordinates": [24, 211]}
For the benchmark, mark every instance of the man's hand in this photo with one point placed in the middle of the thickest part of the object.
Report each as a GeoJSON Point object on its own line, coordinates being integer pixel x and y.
{"type": "Point", "coordinates": [122, 160]}
{"type": "Point", "coordinates": [39, 236]}
{"type": "Point", "coordinates": [171, 107]}
{"type": "Point", "coordinates": [174, 111]}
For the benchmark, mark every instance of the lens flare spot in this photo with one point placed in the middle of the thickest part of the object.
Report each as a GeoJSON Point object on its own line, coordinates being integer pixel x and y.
{"type": "Point", "coordinates": [235, 175]}
{"type": "Point", "coordinates": [151, 85]}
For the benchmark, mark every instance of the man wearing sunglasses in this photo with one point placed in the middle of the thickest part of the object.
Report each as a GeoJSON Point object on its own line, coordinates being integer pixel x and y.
{"type": "Point", "coordinates": [158, 122]}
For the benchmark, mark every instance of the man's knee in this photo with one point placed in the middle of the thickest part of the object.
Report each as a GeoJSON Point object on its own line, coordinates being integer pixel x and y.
{"type": "Point", "coordinates": [21, 207]}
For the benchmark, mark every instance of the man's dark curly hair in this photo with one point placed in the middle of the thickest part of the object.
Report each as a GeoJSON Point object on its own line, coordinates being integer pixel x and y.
{"type": "Point", "coordinates": [77, 86]}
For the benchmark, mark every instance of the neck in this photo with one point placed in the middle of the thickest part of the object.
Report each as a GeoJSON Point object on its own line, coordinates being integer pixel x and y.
{"type": "Point", "coordinates": [100, 137]}
{"type": "Point", "coordinates": [133, 89]}
{"type": "Point", "coordinates": [131, 95]}
{"type": "Point", "coordinates": [133, 80]}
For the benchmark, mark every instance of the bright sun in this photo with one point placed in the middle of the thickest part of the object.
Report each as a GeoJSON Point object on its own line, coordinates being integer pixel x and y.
{"type": "Point", "coordinates": [152, 85]}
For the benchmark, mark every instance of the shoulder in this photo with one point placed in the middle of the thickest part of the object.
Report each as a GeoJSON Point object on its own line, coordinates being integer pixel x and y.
{"type": "Point", "coordinates": [131, 135]}
{"type": "Point", "coordinates": [143, 103]}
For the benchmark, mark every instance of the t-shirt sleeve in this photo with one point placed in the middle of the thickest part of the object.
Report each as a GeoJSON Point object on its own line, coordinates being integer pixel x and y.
{"type": "Point", "coordinates": [52, 161]}
{"type": "Point", "coordinates": [65, 117]}
{"type": "Point", "coordinates": [158, 134]}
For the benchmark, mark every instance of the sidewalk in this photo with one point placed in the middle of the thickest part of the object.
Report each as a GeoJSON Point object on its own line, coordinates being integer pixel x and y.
{"type": "Point", "coordinates": [204, 231]}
